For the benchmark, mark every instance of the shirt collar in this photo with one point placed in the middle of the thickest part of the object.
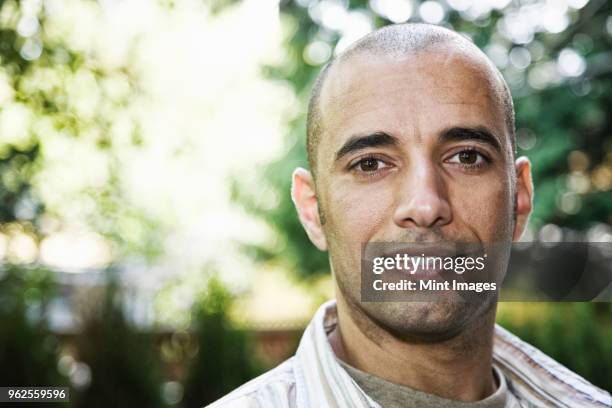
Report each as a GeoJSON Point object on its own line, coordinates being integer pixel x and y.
{"type": "Point", "coordinates": [322, 382]}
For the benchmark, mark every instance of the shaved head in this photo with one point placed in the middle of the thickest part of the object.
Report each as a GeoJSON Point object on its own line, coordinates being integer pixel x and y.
{"type": "Point", "coordinates": [401, 41]}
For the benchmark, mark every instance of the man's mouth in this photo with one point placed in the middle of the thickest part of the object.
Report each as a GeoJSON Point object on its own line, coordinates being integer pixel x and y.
{"type": "Point", "coordinates": [420, 249]}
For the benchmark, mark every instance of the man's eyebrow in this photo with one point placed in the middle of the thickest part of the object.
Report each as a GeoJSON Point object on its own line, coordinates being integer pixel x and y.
{"type": "Point", "coordinates": [479, 133]}
{"type": "Point", "coordinates": [356, 143]}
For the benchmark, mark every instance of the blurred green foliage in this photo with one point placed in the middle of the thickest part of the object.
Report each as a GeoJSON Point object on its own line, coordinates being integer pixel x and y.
{"type": "Point", "coordinates": [225, 356]}
{"type": "Point", "coordinates": [51, 91]}
{"type": "Point", "coordinates": [27, 348]}
{"type": "Point", "coordinates": [36, 68]}
{"type": "Point", "coordinates": [122, 360]}
{"type": "Point", "coordinates": [17, 166]}
{"type": "Point", "coordinates": [109, 361]}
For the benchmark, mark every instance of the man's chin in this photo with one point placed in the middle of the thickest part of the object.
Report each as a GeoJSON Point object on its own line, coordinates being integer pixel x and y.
{"type": "Point", "coordinates": [423, 321]}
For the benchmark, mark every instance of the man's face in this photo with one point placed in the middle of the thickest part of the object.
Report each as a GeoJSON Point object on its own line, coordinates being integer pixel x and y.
{"type": "Point", "coordinates": [413, 150]}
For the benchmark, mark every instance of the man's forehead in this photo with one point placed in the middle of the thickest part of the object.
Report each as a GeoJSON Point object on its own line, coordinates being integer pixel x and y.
{"type": "Point", "coordinates": [373, 85]}
{"type": "Point", "coordinates": [442, 67]}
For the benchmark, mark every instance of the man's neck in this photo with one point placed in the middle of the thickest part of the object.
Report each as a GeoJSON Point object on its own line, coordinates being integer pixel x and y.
{"type": "Point", "coordinates": [459, 368]}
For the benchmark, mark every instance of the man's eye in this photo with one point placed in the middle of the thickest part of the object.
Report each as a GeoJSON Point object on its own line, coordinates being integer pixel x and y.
{"type": "Point", "coordinates": [469, 158]}
{"type": "Point", "coordinates": [370, 165]}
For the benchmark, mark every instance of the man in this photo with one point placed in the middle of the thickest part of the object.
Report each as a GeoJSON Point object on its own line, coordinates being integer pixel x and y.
{"type": "Point", "coordinates": [411, 139]}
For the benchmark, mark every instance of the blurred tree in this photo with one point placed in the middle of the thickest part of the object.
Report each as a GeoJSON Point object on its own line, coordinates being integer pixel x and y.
{"type": "Point", "coordinates": [16, 168]}
{"type": "Point", "coordinates": [121, 359]}
{"type": "Point", "coordinates": [50, 93]}
{"type": "Point", "coordinates": [27, 350]}
{"type": "Point", "coordinates": [54, 94]}
{"type": "Point", "coordinates": [225, 358]}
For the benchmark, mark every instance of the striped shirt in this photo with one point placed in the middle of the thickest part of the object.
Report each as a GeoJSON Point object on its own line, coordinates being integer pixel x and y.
{"type": "Point", "coordinates": [314, 378]}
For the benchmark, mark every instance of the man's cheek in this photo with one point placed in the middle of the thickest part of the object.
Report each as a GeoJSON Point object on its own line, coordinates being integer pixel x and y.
{"type": "Point", "coordinates": [357, 214]}
{"type": "Point", "coordinates": [488, 211]}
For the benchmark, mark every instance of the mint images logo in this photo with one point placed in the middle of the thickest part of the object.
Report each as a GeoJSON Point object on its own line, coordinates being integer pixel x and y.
{"type": "Point", "coordinates": [434, 286]}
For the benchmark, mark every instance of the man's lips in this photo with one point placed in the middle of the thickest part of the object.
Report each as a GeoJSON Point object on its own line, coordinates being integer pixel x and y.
{"type": "Point", "coordinates": [419, 250]}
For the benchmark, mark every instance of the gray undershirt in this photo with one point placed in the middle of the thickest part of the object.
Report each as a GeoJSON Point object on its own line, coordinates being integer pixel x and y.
{"type": "Point", "coordinates": [391, 395]}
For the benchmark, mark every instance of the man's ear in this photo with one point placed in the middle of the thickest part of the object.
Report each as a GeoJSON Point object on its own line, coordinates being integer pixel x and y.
{"type": "Point", "coordinates": [524, 196]}
{"type": "Point", "coordinates": [305, 200]}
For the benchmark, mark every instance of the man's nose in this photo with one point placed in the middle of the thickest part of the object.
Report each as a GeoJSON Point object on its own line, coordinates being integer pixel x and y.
{"type": "Point", "coordinates": [422, 198]}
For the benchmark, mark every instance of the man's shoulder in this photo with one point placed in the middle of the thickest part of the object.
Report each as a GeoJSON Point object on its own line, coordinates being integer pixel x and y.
{"type": "Point", "coordinates": [275, 387]}
{"type": "Point", "coordinates": [535, 378]}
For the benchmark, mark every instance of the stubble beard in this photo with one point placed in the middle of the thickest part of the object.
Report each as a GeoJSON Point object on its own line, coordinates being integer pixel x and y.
{"type": "Point", "coordinates": [412, 321]}
{"type": "Point", "coordinates": [415, 322]}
